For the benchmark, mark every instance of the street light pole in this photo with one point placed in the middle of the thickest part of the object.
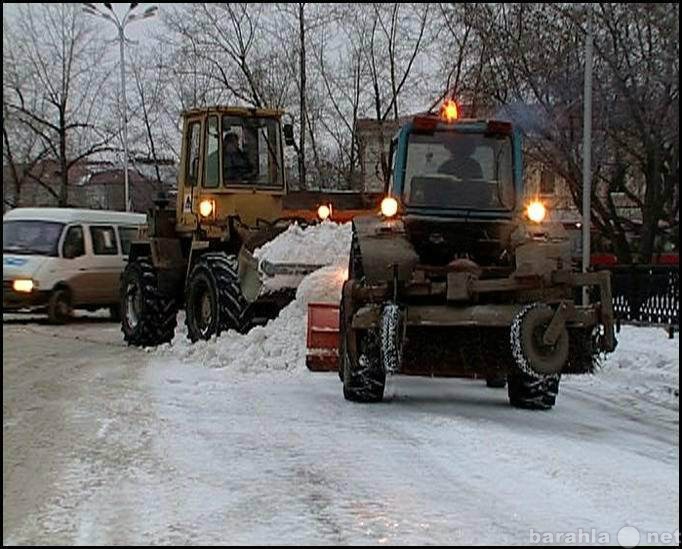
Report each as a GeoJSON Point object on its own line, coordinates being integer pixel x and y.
{"type": "Point", "coordinates": [587, 152]}
{"type": "Point", "coordinates": [121, 38]}
{"type": "Point", "coordinates": [92, 9]}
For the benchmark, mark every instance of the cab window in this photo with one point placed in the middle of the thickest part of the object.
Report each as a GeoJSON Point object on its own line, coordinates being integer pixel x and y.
{"type": "Point", "coordinates": [103, 240]}
{"type": "Point", "coordinates": [193, 146]}
{"type": "Point", "coordinates": [251, 152]}
{"type": "Point", "coordinates": [74, 244]}
{"type": "Point", "coordinates": [212, 169]}
{"type": "Point", "coordinates": [127, 235]}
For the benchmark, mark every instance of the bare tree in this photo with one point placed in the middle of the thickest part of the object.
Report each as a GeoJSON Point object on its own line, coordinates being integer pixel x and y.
{"type": "Point", "coordinates": [640, 48]}
{"type": "Point", "coordinates": [462, 59]}
{"type": "Point", "coordinates": [22, 150]}
{"type": "Point", "coordinates": [147, 105]}
{"type": "Point", "coordinates": [343, 73]}
{"type": "Point", "coordinates": [61, 101]}
{"type": "Point", "coordinates": [227, 45]}
{"type": "Point", "coordinates": [536, 51]}
{"type": "Point", "coordinates": [394, 36]}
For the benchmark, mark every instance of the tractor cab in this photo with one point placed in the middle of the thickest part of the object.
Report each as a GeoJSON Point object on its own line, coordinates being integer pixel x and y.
{"type": "Point", "coordinates": [458, 168]}
{"type": "Point", "coordinates": [457, 184]}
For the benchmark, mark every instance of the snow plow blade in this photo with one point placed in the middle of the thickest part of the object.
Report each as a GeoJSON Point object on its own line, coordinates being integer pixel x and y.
{"type": "Point", "coordinates": [322, 338]}
{"type": "Point", "coordinates": [261, 276]}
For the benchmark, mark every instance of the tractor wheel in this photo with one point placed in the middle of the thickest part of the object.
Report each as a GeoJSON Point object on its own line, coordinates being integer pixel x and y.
{"type": "Point", "coordinates": [532, 356]}
{"type": "Point", "coordinates": [59, 306]}
{"type": "Point", "coordinates": [532, 393]}
{"type": "Point", "coordinates": [342, 339]}
{"type": "Point", "coordinates": [213, 299]}
{"type": "Point", "coordinates": [148, 317]}
{"type": "Point", "coordinates": [496, 382]}
{"type": "Point", "coordinates": [584, 356]}
{"type": "Point", "coordinates": [115, 312]}
{"type": "Point", "coordinates": [392, 332]}
{"type": "Point", "coordinates": [364, 383]}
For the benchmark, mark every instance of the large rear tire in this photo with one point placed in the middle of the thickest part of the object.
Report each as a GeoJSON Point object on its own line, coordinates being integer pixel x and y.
{"type": "Point", "coordinates": [213, 298]}
{"type": "Point", "coordinates": [365, 383]}
{"type": "Point", "coordinates": [148, 317]}
{"type": "Point", "coordinates": [532, 393]}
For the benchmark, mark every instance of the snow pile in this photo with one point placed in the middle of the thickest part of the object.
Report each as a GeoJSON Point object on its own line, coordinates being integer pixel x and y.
{"type": "Point", "coordinates": [322, 244]}
{"type": "Point", "coordinates": [279, 345]}
{"type": "Point", "coordinates": [645, 365]}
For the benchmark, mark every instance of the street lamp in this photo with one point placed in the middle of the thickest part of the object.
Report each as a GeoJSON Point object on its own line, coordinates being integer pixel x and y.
{"type": "Point", "coordinates": [92, 9]}
{"type": "Point", "coordinates": [587, 150]}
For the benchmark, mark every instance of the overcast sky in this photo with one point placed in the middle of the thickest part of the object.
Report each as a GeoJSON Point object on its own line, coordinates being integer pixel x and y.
{"type": "Point", "coordinates": [137, 30]}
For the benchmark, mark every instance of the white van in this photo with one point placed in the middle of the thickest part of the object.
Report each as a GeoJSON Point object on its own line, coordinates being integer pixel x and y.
{"type": "Point", "coordinates": [60, 259]}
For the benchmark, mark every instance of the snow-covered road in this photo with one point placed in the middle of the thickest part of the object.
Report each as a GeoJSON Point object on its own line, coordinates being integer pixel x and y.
{"type": "Point", "coordinates": [109, 445]}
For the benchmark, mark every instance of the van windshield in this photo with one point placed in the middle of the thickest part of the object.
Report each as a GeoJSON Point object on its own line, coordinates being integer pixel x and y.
{"type": "Point", "coordinates": [31, 237]}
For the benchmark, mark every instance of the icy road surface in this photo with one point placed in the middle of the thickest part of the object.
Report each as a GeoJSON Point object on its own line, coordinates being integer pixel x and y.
{"type": "Point", "coordinates": [108, 445]}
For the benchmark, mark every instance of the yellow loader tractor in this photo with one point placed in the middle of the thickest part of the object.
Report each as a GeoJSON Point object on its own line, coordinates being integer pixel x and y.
{"type": "Point", "coordinates": [199, 255]}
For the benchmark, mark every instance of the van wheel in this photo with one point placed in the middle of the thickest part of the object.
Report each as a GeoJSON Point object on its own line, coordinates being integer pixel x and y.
{"type": "Point", "coordinates": [213, 298]}
{"type": "Point", "coordinates": [59, 306]}
{"type": "Point", "coordinates": [148, 317]}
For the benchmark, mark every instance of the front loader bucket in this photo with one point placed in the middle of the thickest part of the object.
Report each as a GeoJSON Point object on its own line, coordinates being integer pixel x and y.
{"type": "Point", "coordinates": [257, 277]}
{"type": "Point", "coordinates": [322, 337]}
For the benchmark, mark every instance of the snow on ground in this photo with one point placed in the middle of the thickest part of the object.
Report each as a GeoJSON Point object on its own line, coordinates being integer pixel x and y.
{"type": "Point", "coordinates": [644, 366]}
{"type": "Point", "coordinates": [285, 458]}
{"type": "Point", "coordinates": [185, 445]}
{"type": "Point", "coordinates": [105, 444]}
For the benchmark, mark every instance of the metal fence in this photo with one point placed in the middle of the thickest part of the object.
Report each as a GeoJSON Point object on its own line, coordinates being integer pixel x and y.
{"type": "Point", "coordinates": [646, 294]}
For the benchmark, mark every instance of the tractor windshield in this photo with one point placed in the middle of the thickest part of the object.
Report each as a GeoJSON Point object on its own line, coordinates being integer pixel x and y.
{"type": "Point", "coordinates": [447, 169]}
{"type": "Point", "coordinates": [251, 152]}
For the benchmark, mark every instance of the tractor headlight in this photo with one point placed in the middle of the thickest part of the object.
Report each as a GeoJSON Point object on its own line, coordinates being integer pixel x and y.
{"type": "Point", "coordinates": [324, 211]}
{"type": "Point", "coordinates": [389, 206]}
{"type": "Point", "coordinates": [206, 208]}
{"type": "Point", "coordinates": [25, 286]}
{"type": "Point", "coordinates": [536, 211]}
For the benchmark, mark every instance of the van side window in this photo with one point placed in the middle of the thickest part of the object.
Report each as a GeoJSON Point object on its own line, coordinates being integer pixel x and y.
{"type": "Point", "coordinates": [74, 245]}
{"type": "Point", "coordinates": [127, 235]}
{"type": "Point", "coordinates": [103, 240]}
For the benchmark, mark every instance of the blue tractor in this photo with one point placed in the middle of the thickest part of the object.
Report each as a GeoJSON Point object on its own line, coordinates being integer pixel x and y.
{"type": "Point", "coordinates": [459, 276]}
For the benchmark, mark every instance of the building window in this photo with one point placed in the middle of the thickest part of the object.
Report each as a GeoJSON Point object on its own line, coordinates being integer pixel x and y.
{"type": "Point", "coordinates": [547, 182]}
